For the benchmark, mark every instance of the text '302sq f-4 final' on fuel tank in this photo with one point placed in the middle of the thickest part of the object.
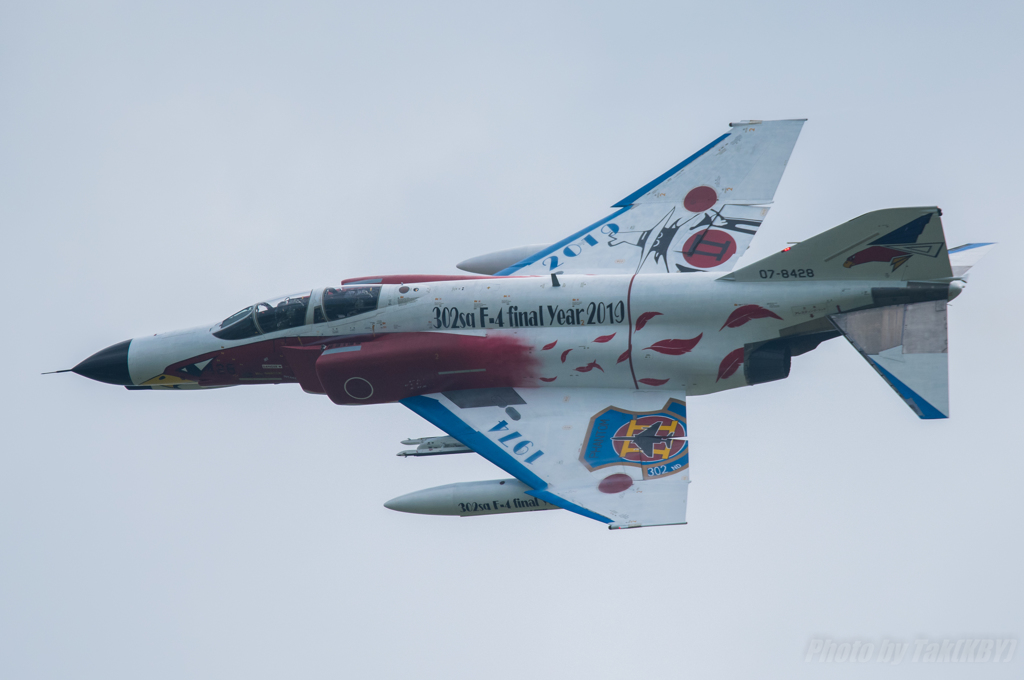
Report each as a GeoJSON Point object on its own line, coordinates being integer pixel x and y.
{"type": "Point", "coordinates": [569, 365]}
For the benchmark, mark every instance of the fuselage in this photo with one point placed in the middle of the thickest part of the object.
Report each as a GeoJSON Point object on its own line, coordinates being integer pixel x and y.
{"type": "Point", "coordinates": [382, 340]}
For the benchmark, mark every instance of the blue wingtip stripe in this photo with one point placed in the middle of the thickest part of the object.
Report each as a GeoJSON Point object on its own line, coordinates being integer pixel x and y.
{"type": "Point", "coordinates": [925, 410]}
{"type": "Point", "coordinates": [628, 200]}
{"type": "Point", "coordinates": [433, 412]}
{"type": "Point", "coordinates": [969, 246]}
{"type": "Point", "coordinates": [566, 505]}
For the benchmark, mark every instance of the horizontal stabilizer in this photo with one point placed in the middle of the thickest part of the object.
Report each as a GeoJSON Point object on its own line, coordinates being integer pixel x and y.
{"type": "Point", "coordinates": [962, 258]}
{"type": "Point", "coordinates": [907, 346]}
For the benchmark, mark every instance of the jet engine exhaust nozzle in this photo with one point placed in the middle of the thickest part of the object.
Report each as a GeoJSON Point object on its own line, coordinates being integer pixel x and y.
{"type": "Point", "coordinates": [109, 365]}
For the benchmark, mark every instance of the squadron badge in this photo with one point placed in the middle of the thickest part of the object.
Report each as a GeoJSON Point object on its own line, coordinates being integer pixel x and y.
{"type": "Point", "coordinates": [654, 441]}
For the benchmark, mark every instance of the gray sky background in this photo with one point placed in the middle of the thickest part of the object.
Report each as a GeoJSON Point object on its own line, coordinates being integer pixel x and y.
{"type": "Point", "coordinates": [163, 165]}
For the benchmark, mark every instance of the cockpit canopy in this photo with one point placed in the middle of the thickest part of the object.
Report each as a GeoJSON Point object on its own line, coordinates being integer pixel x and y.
{"type": "Point", "coordinates": [292, 311]}
{"type": "Point", "coordinates": [341, 303]}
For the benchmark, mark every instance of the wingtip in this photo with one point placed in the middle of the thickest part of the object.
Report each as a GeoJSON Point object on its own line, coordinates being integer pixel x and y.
{"type": "Point", "coordinates": [972, 246]}
{"type": "Point", "coordinates": [758, 122]}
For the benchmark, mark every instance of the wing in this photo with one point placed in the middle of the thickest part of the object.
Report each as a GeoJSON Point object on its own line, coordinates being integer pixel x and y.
{"type": "Point", "coordinates": [560, 443]}
{"type": "Point", "coordinates": [699, 216]}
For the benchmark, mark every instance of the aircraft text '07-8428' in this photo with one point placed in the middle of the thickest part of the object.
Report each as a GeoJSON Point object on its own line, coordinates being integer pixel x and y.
{"type": "Point", "coordinates": [569, 365]}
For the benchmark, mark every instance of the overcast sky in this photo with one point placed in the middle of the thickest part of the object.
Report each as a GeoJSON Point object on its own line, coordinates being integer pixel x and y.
{"type": "Point", "coordinates": [163, 165]}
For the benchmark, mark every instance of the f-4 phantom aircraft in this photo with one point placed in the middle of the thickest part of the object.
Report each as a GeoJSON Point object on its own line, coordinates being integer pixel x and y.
{"type": "Point", "coordinates": [568, 365]}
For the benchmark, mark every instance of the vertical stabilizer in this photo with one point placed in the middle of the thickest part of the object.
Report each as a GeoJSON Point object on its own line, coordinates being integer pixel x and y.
{"type": "Point", "coordinates": [900, 244]}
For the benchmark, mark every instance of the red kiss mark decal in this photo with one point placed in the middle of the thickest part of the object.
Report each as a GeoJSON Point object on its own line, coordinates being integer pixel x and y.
{"type": "Point", "coordinates": [550, 345]}
{"type": "Point", "coordinates": [604, 338]}
{"type": "Point", "coordinates": [565, 354]}
{"type": "Point", "coordinates": [675, 347]}
{"type": "Point", "coordinates": [873, 254]}
{"type": "Point", "coordinates": [590, 367]}
{"type": "Point", "coordinates": [550, 379]}
{"type": "Point", "coordinates": [623, 357]}
{"type": "Point", "coordinates": [652, 381]}
{"type": "Point", "coordinates": [742, 315]}
{"type": "Point", "coordinates": [642, 320]}
{"type": "Point", "coordinates": [732, 361]}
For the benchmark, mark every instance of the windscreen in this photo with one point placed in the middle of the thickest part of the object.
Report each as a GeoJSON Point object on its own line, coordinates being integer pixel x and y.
{"type": "Point", "coordinates": [238, 326]}
{"type": "Point", "coordinates": [266, 317]}
{"type": "Point", "coordinates": [282, 313]}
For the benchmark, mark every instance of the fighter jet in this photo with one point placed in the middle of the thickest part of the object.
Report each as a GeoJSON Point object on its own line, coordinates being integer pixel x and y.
{"type": "Point", "coordinates": [569, 365]}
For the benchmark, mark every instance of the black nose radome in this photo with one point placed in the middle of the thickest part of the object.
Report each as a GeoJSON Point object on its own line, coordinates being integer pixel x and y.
{"type": "Point", "coordinates": [109, 365]}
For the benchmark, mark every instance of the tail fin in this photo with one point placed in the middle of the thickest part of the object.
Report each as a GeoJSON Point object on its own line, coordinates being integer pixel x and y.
{"type": "Point", "coordinates": [905, 343]}
{"type": "Point", "coordinates": [901, 244]}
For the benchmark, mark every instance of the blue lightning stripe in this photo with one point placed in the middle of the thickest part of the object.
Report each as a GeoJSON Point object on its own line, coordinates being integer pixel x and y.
{"type": "Point", "coordinates": [628, 200]}
{"type": "Point", "coordinates": [545, 495]}
{"type": "Point", "coordinates": [561, 244]}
